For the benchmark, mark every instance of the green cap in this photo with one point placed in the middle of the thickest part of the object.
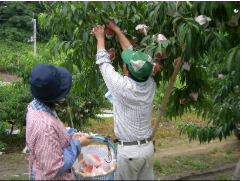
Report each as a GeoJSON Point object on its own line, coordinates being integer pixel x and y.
{"type": "Point", "coordinates": [140, 64]}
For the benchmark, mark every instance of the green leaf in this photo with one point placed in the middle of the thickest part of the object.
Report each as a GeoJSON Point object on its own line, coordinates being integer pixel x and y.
{"type": "Point", "coordinates": [181, 35]}
{"type": "Point", "coordinates": [64, 9]}
{"type": "Point", "coordinates": [128, 11]}
{"type": "Point", "coordinates": [112, 5]}
{"type": "Point", "coordinates": [237, 65]}
{"type": "Point", "coordinates": [67, 46]}
{"type": "Point", "coordinates": [149, 50]}
{"type": "Point", "coordinates": [176, 19]}
{"type": "Point", "coordinates": [104, 16]}
{"type": "Point", "coordinates": [153, 39]}
{"type": "Point", "coordinates": [116, 20]}
{"type": "Point", "coordinates": [144, 39]}
{"type": "Point", "coordinates": [69, 31]}
{"type": "Point", "coordinates": [150, 17]}
{"type": "Point", "coordinates": [134, 9]}
{"type": "Point", "coordinates": [61, 44]}
{"type": "Point", "coordinates": [121, 12]}
{"type": "Point", "coordinates": [73, 8]}
{"type": "Point", "coordinates": [229, 8]}
{"type": "Point", "coordinates": [222, 39]}
{"type": "Point", "coordinates": [80, 22]}
{"type": "Point", "coordinates": [133, 19]}
{"type": "Point", "coordinates": [165, 43]}
{"type": "Point", "coordinates": [85, 37]}
{"type": "Point", "coordinates": [172, 40]}
{"type": "Point", "coordinates": [189, 38]}
{"type": "Point", "coordinates": [202, 7]}
{"type": "Point", "coordinates": [158, 49]}
{"type": "Point", "coordinates": [218, 131]}
{"type": "Point", "coordinates": [230, 59]}
{"type": "Point", "coordinates": [85, 5]}
{"type": "Point", "coordinates": [137, 17]}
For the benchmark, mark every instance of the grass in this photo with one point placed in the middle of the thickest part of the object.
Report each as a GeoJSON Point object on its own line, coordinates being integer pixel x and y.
{"type": "Point", "coordinates": [229, 152]}
{"type": "Point", "coordinates": [163, 168]}
{"type": "Point", "coordinates": [16, 177]}
{"type": "Point", "coordinates": [214, 151]}
{"type": "Point", "coordinates": [224, 178]}
{"type": "Point", "coordinates": [196, 162]}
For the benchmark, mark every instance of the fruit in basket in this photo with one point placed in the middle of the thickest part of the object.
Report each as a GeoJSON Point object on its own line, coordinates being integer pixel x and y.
{"type": "Point", "coordinates": [92, 159]}
{"type": "Point", "coordinates": [100, 170]}
{"type": "Point", "coordinates": [96, 157]}
{"type": "Point", "coordinates": [105, 165]}
{"type": "Point", "coordinates": [83, 164]}
{"type": "Point", "coordinates": [89, 169]}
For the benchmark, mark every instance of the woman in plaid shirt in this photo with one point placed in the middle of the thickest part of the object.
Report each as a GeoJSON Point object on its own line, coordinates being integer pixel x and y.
{"type": "Point", "coordinates": [52, 149]}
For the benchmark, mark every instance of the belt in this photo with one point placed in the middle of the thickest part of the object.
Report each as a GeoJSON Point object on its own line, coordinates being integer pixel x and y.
{"type": "Point", "coordinates": [134, 142]}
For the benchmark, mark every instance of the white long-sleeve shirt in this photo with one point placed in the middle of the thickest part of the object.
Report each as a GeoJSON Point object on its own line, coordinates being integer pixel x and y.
{"type": "Point", "coordinates": [132, 101]}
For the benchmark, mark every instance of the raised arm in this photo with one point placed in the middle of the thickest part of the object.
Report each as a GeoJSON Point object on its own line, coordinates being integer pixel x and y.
{"type": "Point", "coordinates": [124, 42]}
{"type": "Point", "coordinates": [112, 78]}
{"type": "Point", "coordinates": [99, 33]}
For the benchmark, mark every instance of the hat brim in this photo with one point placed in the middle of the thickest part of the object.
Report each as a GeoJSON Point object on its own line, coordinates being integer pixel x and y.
{"type": "Point", "coordinates": [64, 89]}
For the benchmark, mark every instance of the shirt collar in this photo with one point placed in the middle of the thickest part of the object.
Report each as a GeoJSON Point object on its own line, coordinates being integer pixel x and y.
{"type": "Point", "coordinates": [37, 105]}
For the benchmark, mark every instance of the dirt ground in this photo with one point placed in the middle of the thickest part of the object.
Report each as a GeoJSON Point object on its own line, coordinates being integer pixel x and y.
{"type": "Point", "coordinates": [6, 76]}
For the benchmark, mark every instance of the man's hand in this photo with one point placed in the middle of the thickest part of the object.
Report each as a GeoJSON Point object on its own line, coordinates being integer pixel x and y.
{"type": "Point", "coordinates": [99, 32]}
{"type": "Point", "coordinates": [111, 25]}
{"type": "Point", "coordinates": [124, 42]}
{"type": "Point", "coordinates": [85, 140]}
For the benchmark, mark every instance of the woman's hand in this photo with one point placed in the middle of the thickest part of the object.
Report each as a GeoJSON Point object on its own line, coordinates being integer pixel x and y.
{"type": "Point", "coordinates": [85, 140]}
{"type": "Point", "coordinates": [78, 135]}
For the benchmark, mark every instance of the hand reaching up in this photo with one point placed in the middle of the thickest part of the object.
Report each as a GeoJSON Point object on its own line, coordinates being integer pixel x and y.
{"type": "Point", "coordinates": [99, 32]}
{"type": "Point", "coordinates": [111, 25]}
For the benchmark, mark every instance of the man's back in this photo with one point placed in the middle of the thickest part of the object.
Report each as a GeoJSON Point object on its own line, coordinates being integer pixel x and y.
{"type": "Point", "coordinates": [132, 107]}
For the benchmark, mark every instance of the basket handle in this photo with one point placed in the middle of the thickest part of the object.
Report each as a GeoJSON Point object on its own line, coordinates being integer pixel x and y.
{"type": "Point", "coordinates": [107, 141]}
{"type": "Point", "coordinates": [98, 138]}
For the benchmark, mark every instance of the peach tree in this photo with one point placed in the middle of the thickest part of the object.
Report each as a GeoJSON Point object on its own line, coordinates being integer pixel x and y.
{"type": "Point", "coordinates": [204, 34]}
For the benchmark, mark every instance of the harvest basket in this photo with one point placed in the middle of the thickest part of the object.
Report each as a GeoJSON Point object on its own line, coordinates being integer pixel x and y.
{"type": "Point", "coordinates": [105, 150]}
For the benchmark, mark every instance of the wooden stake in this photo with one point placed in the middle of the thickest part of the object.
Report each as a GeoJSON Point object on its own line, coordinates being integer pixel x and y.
{"type": "Point", "coordinates": [168, 92]}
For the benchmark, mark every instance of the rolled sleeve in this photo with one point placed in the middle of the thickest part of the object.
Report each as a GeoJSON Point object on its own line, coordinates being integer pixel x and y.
{"type": "Point", "coordinates": [102, 56]}
{"type": "Point", "coordinates": [71, 131]}
{"type": "Point", "coordinates": [70, 154]}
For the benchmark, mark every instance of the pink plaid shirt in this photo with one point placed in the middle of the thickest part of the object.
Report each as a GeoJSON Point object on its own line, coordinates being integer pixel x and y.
{"type": "Point", "coordinates": [46, 137]}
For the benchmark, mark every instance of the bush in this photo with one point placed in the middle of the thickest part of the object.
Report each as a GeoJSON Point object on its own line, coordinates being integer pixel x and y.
{"type": "Point", "coordinates": [13, 102]}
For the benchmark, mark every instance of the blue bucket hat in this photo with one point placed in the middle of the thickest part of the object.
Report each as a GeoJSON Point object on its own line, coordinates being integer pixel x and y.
{"type": "Point", "coordinates": [49, 83]}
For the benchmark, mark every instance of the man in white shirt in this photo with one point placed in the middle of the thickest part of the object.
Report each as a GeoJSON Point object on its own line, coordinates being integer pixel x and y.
{"type": "Point", "coordinates": [132, 96]}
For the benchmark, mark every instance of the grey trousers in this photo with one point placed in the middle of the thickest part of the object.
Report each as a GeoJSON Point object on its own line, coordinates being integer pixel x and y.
{"type": "Point", "coordinates": [135, 162]}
